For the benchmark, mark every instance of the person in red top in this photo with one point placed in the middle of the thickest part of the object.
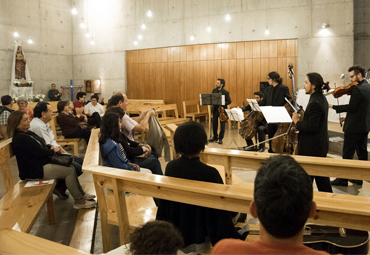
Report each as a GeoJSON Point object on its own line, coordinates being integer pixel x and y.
{"type": "Point", "coordinates": [282, 203]}
{"type": "Point", "coordinates": [92, 119]}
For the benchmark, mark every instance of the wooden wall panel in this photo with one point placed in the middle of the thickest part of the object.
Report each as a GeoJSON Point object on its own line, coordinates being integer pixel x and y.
{"type": "Point", "coordinates": [181, 73]}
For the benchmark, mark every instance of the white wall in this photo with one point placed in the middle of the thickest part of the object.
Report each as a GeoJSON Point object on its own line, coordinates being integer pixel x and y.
{"type": "Point", "coordinates": [328, 51]}
{"type": "Point", "coordinates": [49, 58]}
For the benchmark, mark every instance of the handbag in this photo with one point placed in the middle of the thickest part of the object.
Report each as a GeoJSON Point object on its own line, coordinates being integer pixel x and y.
{"type": "Point", "coordinates": [62, 159]}
{"type": "Point", "coordinates": [83, 125]}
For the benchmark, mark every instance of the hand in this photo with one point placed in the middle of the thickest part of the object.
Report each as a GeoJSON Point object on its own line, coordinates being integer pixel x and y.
{"type": "Point", "coordinates": [342, 119]}
{"type": "Point", "coordinates": [148, 147]}
{"type": "Point", "coordinates": [137, 168]}
{"type": "Point", "coordinates": [151, 112]}
{"type": "Point", "coordinates": [295, 117]}
{"type": "Point", "coordinates": [85, 118]}
{"type": "Point", "coordinates": [331, 106]}
{"type": "Point", "coordinates": [101, 99]}
{"type": "Point", "coordinates": [142, 115]}
{"type": "Point", "coordinates": [55, 149]}
{"type": "Point", "coordinates": [62, 150]}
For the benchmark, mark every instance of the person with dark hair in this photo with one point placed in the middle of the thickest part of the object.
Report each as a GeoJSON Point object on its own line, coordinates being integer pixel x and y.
{"type": "Point", "coordinates": [34, 159]}
{"type": "Point", "coordinates": [5, 111]}
{"type": "Point", "coordinates": [116, 101]}
{"type": "Point", "coordinates": [156, 237]}
{"type": "Point", "coordinates": [357, 122]}
{"type": "Point", "coordinates": [313, 138]}
{"type": "Point", "coordinates": [275, 95]}
{"type": "Point", "coordinates": [53, 93]}
{"type": "Point", "coordinates": [138, 153]}
{"type": "Point", "coordinates": [94, 106]}
{"type": "Point", "coordinates": [71, 125]}
{"type": "Point", "coordinates": [198, 225]}
{"type": "Point", "coordinates": [92, 118]}
{"type": "Point", "coordinates": [282, 202]}
{"type": "Point", "coordinates": [39, 125]}
{"type": "Point", "coordinates": [261, 128]}
{"type": "Point", "coordinates": [220, 84]}
{"type": "Point", "coordinates": [111, 149]}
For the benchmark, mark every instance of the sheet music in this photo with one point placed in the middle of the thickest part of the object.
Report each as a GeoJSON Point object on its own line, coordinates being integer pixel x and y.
{"type": "Point", "coordinates": [235, 114]}
{"type": "Point", "coordinates": [276, 114]}
{"type": "Point", "coordinates": [254, 104]}
{"type": "Point", "coordinates": [208, 97]}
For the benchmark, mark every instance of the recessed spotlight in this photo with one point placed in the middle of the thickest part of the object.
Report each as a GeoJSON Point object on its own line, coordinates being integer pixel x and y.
{"type": "Point", "coordinates": [267, 31]}
{"type": "Point", "coordinates": [209, 29]}
{"type": "Point", "coordinates": [30, 41]}
{"type": "Point", "coordinates": [227, 17]}
{"type": "Point", "coordinates": [135, 42]}
{"type": "Point", "coordinates": [192, 38]}
{"type": "Point", "coordinates": [87, 35]}
{"type": "Point", "coordinates": [143, 26]}
{"type": "Point", "coordinates": [140, 37]}
{"type": "Point", "coordinates": [15, 34]}
{"type": "Point", "coordinates": [74, 11]}
{"type": "Point", "coordinates": [149, 13]}
{"type": "Point", "coordinates": [324, 25]}
{"type": "Point", "coordinates": [92, 42]}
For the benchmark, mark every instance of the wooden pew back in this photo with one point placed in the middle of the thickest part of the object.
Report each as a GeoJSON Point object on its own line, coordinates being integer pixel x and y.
{"type": "Point", "coordinates": [195, 110]}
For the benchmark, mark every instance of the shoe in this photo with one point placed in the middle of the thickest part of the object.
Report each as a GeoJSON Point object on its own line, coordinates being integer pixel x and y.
{"type": "Point", "coordinates": [339, 182]}
{"type": "Point", "coordinates": [60, 194]}
{"type": "Point", "coordinates": [220, 141]}
{"type": "Point", "coordinates": [262, 147]}
{"type": "Point", "coordinates": [84, 204]}
{"type": "Point", "coordinates": [89, 196]}
{"type": "Point", "coordinates": [357, 182]}
{"type": "Point", "coordinates": [253, 148]}
{"type": "Point", "coordinates": [213, 140]}
{"type": "Point", "coordinates": [261, 150]}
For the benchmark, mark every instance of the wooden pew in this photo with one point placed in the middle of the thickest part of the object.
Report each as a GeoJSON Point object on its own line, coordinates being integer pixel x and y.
{"type": "Point", "coordinates": [316, 166]}
{"type": "Point", "coordinates": [21, 206]}
{"type": "Point", "coordinates": [165, 109]}
{"type": "Point", "coordinates": [195, 114]}
{"type": "Point", "coordinates": [135, 104]}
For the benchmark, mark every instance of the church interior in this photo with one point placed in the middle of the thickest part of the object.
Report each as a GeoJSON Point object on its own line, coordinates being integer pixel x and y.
{"type": "Point", "coordinates": [165, 55]}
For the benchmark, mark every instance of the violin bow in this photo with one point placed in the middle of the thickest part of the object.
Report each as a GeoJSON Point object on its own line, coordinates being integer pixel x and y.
{"type": "Point", "coordinates": [335, 86]}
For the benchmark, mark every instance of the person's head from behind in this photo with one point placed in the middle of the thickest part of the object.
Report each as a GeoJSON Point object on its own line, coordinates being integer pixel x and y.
{"type": "Point", "coordinates": [94, 100]}
{"type": "Point", "coordinates": [110, 127]}
{"type": "Point", "coordinates": [17, 121]}
{"type": "Point", "coordinates": [6, 100]}
{"type": "Point", "coordinates": [116, 101]}
{"type": "Point", "coordinates": [258, 96]}
{"type": "Point", "coordinates": [282, 197]}
{"type": "Point", "coordinates": [43, 111]}
{"type": "Point", "coordinates": [190, 139]}
{"type": "Point", "coordinates": [64, 106]}
{"type": "Point", "coordinates": [156, 237]}
{"type": "Point", "coordinates": [81, 96]}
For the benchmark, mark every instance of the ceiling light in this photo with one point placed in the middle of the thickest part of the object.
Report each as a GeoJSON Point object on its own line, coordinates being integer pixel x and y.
{"type": "Point", "coordinates": [74, 11]}
{"type": "Point", "coordinates": [324, 25]}
{"type": "Point", "coordinates": [149, 13]}
{"type": "Point", "coordinates": [15, 34]}
{"type": "Point", "coordinates": [135, 42]}
{"type": "Point", "coordinates": [92, 42]}
{"type": "Point", "coordinates": [192, 38]}
{"type": "Point", "coordinates": [82, 25]}
{"type": "Point", "coordinates": [139, 37]}
{"type": "Point", "coordinates": [227, 17]}
{"type": "Point", "coordinates": [209, 29]}
{"type": "Point", "coordinates": [267, 31]}
{"type": "Point", "coordinates": [87, 33]}
{"type": "Point", "coordinates": [30, 41]}
{"type": "Point", "coordinates": [143, 26]}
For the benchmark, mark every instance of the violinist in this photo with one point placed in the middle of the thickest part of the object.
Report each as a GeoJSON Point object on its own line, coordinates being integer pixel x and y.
{"type": "Point", "coordinates": [220, 84]}
{"type": "Point", "coordinates": [261, 129]}
{"type": "Point", "coordinates": [357, 123]}
{"type": "Point", "coordinates": [313, 138]}
{"type": "Point", "coordinates": [275, 95]}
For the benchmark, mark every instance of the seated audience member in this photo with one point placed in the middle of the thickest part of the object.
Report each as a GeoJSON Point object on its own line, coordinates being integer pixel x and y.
{"type": "Point", "coordinates": [134, 149]}
{"type": "Point", "coordinates": [111, 149]}
{"type": "Point", "coordinates": [33, 158]}
{"type": "Point", "coordinates": [22, 106]}
{"type": "Point", "coordinates": [5, 111]}
{"type": "Point", "coordinates": [92, 119]}
{"type": "Point", "coordinates": [137, 124]}
{"type": "Point", "coordinates": [156, 237]}
{"type": "Point", "coordinates": [198, 225]}
{"type": "Point", "coordinates": [282, 203]}
{"type": "Point", "coordinates": [39, 125]}
{"type": "Point", "coordinates": [54, 94]}
{"type": "Point", "coordinates": [94, 106]}
{"type": "Point", "coordinates": [100, 100]}
{"type": "Point", "coordinates": [71, 125]}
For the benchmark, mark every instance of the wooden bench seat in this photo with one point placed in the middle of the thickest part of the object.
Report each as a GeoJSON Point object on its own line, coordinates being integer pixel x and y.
{"type": "Point", "coordinates": [20, 207]}
{"type": "Point", "coordinates": [195, 114]}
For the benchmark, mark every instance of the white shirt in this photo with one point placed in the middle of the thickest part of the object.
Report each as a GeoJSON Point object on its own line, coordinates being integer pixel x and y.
{"type": "Point", "coordinates": [43, 130]}
{"type": "Point", "coordinates": [90, 109]}
{"type": "Point", "coordinates": [128, 125]}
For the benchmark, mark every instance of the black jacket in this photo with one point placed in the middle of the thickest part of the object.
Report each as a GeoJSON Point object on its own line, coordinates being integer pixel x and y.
{"type": "Point", "coordinates": [32, 154]}
{"type": "Point", "coordinates": [4, 108]}
{"type": "Point", "coordinates": [358, 109]}
{"type": "Point", "coordinates": [274, 96]}
{"type": "Point", "coordinates": [313, 138]}
{"type": "Point", "coordinates": [227, 98]}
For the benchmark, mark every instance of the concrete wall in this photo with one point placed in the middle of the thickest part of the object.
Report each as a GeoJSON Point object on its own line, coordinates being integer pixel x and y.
{"type": "Point", "coordinates": [49, 58]}
{"type": "Point", "coordinates": [362, 33]}
{"type": "Point", "coordinates": [117, 23]}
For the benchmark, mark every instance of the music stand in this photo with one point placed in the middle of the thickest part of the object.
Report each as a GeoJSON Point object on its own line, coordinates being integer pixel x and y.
{"type": "Point", "coordinates": [235, 114]}
{"type": "Point", "coordinates": [212, 99]}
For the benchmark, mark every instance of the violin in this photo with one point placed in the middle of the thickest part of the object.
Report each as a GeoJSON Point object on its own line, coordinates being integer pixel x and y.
{"type": "Point", "coordinates": [346, 90]}
{"type": "Point", "coordinates": [223, 117]}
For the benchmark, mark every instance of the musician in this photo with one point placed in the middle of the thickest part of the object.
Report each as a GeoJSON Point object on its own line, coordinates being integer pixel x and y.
{"type": "Point", "coordinates": [313, 138]}
{"type": "Point", "coordinates": [275, 95]}
{"type": "Point", "coordinates": [261, 128]}
{"type": "Point", "coordinates": [357, 123]}
{"type": "Point", "coordinates": [220, 84]}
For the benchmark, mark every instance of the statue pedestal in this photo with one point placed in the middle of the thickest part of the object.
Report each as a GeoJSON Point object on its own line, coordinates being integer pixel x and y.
{"type": "Point", "coordinates": [26, 92]}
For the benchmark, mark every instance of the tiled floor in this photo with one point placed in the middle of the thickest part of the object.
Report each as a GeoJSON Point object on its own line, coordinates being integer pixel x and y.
{"type": "Point", "coordinates": [61, 232]}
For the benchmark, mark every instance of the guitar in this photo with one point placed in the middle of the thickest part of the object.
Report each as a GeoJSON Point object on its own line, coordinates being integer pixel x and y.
{"type": "Point", "coordinates": [333, 240]}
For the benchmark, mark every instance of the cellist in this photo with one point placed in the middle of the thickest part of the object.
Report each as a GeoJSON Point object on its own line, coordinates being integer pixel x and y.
{"type": "Point", "coordinates": [313, 138]}
{"type": "Point", "coordinates": [261, 129]}
{"type": "Point", "coordinates": [357, 122]}
{"type": "Point", "coordinates": [275, 95]}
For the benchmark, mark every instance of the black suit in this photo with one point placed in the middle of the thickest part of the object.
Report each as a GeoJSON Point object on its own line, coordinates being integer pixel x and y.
{"type": "Point", "coordinates": [216, 114]}
{"type": "Point", "coordinates": [275, 96]}
{"type": "Point", "coordinates": [313, 138]}
{"type": "Point", "coordinates": [357, 123]}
